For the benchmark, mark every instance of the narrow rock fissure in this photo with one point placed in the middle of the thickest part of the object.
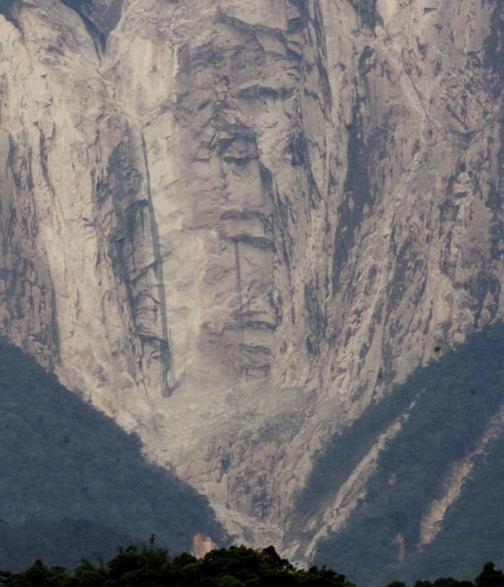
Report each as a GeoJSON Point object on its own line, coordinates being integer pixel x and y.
{"type": "Point", "coordinates": [240, 305]}
{"type": "Point", "coordinates": [167, 371]}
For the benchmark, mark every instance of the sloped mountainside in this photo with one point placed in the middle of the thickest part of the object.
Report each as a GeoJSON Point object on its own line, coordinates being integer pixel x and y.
{"type": "Point", "coordinates": [428, 503]}
{"type": "Point", "coordinates": [74, 484]}
{"type": "Point", "coordinates": [232, 225]}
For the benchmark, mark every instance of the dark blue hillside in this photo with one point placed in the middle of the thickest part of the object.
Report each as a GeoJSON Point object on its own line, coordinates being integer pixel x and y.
{"type": "Point", "coordinates": [65, 467]}
{"type": "Point", "coordinates": [455, 399]}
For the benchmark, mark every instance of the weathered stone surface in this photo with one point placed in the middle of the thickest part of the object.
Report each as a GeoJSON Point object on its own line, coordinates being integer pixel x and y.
{"type": "Point", "coordinates": [232, 224]}
{"type": "Point", "coordinates": [99, 17]}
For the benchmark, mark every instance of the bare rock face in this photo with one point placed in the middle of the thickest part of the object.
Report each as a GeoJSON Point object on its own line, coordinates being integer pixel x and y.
{"type": "Point", "coordinates": [99, 16]}
{"type": "Point", "coordinates": [202, 545]}
{"type": "Point", "coordinates": [231, 224]}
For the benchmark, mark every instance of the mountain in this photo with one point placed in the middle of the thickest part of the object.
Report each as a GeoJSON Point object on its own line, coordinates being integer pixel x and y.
{"type": "Point", "coordinates": [235, 225]}
{"type": "Point", "coordinates": [425, 469]}
{"type": "Point", "coordinates": [74, 484]}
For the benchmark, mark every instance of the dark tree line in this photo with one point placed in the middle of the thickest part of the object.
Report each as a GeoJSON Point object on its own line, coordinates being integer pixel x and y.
{"type": "Point", "coordinates": [237, 566]}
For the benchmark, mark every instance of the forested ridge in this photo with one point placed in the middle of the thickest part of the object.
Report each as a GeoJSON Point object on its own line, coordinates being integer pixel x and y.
{"type": "Point", "coordinates": [73, 484]}
{"type": "Point", "coordinates": [237, 566]}
{"type": "Point", "coordinates": [446, 408]}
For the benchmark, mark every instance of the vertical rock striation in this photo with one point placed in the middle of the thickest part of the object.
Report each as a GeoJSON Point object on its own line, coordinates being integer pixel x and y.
{"type": "Point", "coordinates": [232, 224]}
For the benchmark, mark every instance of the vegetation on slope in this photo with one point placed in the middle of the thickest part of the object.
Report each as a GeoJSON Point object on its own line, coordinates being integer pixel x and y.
{"type": "Point", "coordinates": [73, 474]}
{"type": "Point", "coordinates": [454, 400]}
{"type": "Point", "coordinates": [234, 567]}
{"type": "Point", "coordinates": [474, 525]}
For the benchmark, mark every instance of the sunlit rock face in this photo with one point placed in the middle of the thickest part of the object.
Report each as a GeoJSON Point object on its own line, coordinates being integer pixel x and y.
{"type": "Point", "coordinates": [231, 224]}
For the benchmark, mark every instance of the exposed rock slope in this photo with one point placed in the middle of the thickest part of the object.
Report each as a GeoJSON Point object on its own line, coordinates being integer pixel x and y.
{"type": "Point", "coordinates": [231, 224]}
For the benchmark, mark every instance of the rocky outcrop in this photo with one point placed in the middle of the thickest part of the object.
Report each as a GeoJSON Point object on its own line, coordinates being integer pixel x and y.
{"type": "Point", "coordinates": [202, 545]}
{"type": "Point", "coordinates": [233, 224]}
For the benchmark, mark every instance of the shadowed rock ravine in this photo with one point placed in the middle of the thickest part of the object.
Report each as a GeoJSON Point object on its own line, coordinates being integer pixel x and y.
{"type": "Point", "coordinates": [233, 224]}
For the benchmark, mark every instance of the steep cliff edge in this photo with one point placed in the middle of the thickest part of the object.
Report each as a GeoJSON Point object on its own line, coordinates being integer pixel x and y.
{"type": "Point", "coordinates": [233, 224]}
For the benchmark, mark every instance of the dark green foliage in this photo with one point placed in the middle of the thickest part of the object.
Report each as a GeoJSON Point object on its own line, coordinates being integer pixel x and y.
{"type": "Point", "coordinates": [152, 567]}
{"type": "Point", "coordinates": [489, 577]}
{"type": "Point", "coordinates": [62, 460]}
{"type": "Point", "coordinates": [454, 399]}
{"type": "Point", "coordinates": [235, 567]}
{"type": "Point", "coordinates": [442, 582]}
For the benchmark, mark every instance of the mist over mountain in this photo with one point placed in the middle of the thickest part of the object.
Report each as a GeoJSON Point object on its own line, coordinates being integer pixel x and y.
{"type": "Point", "coordinates": [237, 227]}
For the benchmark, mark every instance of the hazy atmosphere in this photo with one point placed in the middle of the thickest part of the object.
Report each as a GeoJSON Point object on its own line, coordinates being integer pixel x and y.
{"type": "Point", "coordinates": [253, 251]}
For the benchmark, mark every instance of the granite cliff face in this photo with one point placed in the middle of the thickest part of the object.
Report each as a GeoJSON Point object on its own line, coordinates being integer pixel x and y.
{"type": "Point", "coordinates": [233, 224]}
